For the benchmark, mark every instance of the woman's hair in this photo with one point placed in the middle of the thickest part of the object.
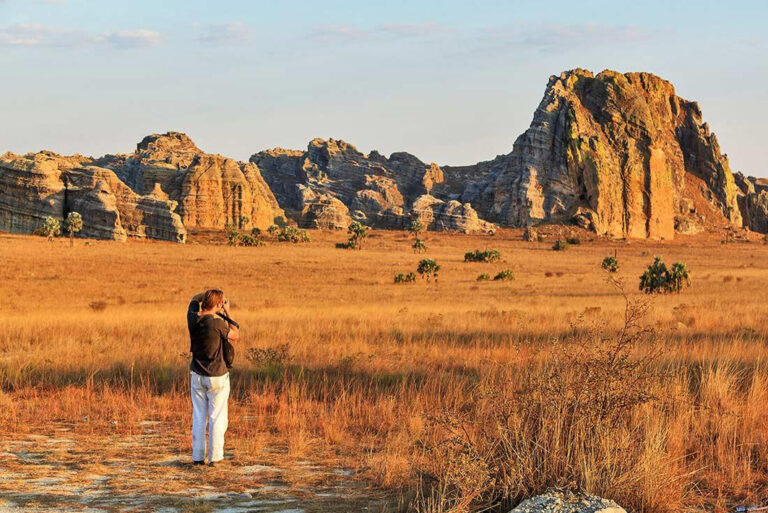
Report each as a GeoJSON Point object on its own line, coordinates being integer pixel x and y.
{"type": "Point", "coordinates": [211, 299]}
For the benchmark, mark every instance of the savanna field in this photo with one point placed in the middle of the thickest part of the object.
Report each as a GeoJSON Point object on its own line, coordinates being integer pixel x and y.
{"type": "Point", "coordinates": [455, 395]}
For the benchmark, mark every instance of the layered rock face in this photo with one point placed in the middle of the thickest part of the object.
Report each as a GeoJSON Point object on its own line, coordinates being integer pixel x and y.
{"type": "Point", "coordinates": [212, 191]}
{"type": "Point", "coordinates": [620, 153]}
{"type": "Point", "coordinates": [165, 187]}
{"type": "Point", "coordinates": [753, 202]}
{"type": "Point", "coordinates": [35, 186]}
{"type": "Point", "coordinates": [333, 183]}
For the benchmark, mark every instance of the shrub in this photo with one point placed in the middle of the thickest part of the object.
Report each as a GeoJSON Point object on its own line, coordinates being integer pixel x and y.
{"type": "Point", "coordinates": [51, 228]}
{"type": "Point", "coordinates": [416, 227]}
{"type": "Point", "coordinates": [419, 246]}
{"type": "Point", "coordinates": [610, 264]}
{"type": "Point", "coordinates": [405, 278]}
{"type": "Point", "coordinates": [560, 245]}
{"type": "Point", "coordinates": [292, 234]}
{"type": "Point", "coordinates": [573, 240]}
{"type": "Point", "coordinates": [563, 427]}
{"type": "Point", "coordinates": [658, 279]}
{"type": "Point", "coordinates": [428, 269]}
{"type": "Point", "coordinates": [243, 239]}
{"type": "Point", "coordinates": [505, 275]}
{"type": "Point", "coordinates": [484, 277]}
{"type": "Point", "coordinates": [357, 233]}
{"type": "Point", "coordinates": [273, 230]}
{"type": "Point", "coordinates": [678, 278]}
{"type": "Point", "coordinates": [74, 224]}
{"type": "Point", "coordinates": [489, 255]}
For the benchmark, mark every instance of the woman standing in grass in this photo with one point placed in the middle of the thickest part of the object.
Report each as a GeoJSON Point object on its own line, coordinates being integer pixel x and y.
{"type": "Point", "coordinates": [210, 332]}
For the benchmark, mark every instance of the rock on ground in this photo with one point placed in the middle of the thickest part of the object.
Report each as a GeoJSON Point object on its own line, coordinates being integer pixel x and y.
{"type": "Point", "coordinates": [557, 502]}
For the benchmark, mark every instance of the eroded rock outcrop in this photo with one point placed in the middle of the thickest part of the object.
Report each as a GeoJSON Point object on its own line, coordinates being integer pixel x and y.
{"type": "Point", "coordinates": [753, 201]}
{"type": "Point", "coordinates": [373, 189]}
{"type": "Point", "coordinates": [212, 191]}
{"type": "Point", "coordinates": [620, 152]}
{"type": "Point", "coordinates": [567, 502]}
{"type": "Point", "coordinates": [35, 186]}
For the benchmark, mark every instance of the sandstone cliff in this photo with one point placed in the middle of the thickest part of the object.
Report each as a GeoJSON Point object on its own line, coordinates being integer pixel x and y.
{"type": "Point", "coordinates": [620, 153]}
{"type": "Point", "coordinates": [332, 183]}
{"type": "Point", "coordinates": [212, 191]}
{"type": "Point", "coordinates": [753, 202]}
{"type": "Point", "coordinates": [35, 186]}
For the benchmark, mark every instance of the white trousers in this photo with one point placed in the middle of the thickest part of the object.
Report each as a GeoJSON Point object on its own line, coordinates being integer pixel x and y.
{"type": "Point", "coordinates": [209, 405]}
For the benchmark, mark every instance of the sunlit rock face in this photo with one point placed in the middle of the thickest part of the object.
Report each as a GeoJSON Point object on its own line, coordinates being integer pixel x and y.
{"type": "Point", "coordinates": [44, 184]}
{"type": "Point", "coordinates": [622, 151]}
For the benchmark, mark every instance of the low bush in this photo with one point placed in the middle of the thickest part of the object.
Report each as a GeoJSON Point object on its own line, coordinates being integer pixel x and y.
{"type": "Point", "coordinates": [489, 255]}
{"type": "Point", "coordinates": [560, 245]}
{"type": "Point", "coordinates": [610, 264]}
{"type": "Point", "coordinates": [405, 278]}
{"type": "Point", "coordinates": [484, 277]}
{"type": "Point", "coordinates": [419, 246]}
{"type": "Point", "coordinates": [292, 234]}
{"type": "Point", "coordinates": [505, 275]}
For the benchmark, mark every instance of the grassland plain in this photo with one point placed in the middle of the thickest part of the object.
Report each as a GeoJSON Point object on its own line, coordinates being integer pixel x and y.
{"type": "Point", "coordinates": [439, 394]}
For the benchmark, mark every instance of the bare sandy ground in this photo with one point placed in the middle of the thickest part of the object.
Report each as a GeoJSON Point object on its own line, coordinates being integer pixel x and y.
{"type": "Point", "coordinates": [61, 470]}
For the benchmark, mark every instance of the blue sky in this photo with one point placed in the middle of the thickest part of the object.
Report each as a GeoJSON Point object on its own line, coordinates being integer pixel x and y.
{"type": "Point", "coordinates": [451, 81]}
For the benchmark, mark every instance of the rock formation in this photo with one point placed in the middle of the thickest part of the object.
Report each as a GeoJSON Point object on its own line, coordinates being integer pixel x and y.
{"type": "Point", "coordinates": [321, 186]}
{"type": "Point", "coordinates": [212, 191]}
{"type": "Point", "coordinates": [165, 187]}
{"type": "Point", "coordinates": [35, 186]}
{"type": "Point", "coordinates": [619, 153]}
{"type": "Point", "coordinates": [753, 202]}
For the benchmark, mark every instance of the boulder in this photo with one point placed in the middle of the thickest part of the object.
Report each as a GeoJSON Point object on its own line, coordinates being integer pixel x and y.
{"type": "Point", "coordinates": [558, 502]}
{"type": "Point", "coordinates": [454, 216]}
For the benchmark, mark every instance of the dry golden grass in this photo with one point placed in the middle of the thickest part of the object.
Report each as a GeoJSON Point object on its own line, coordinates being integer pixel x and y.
{"type": "Point", "coordinates": [374, 369]}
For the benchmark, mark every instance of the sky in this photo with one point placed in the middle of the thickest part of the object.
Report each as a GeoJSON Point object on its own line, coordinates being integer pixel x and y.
{"type": "Point", "coordinates": [453, 81]}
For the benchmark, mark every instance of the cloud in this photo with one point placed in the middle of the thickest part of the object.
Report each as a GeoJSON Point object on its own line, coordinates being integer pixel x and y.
{"type": "Point", "coordinates": [560, 36]}
{"type": "Point", "coordinates": [28, 34]}
{"type": "Point", "coordinates": [381, 32]}
{"type": "Point", "coordinates": [338, 33]}
{"type": "Point", "coordinates": [131, 38]}
{"type": "Point", "coordinates": [36, 35]}
{"type": "Point", "coordinates": [427, 29]}
{"type": "Point", "coordinates": [224, 33]}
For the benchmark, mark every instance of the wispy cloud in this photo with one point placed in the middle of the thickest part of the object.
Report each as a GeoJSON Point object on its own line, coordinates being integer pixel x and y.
{"type": "Point", "coordinates": [561, 36]}
{"type": "Point", "coordinates": [131, 38]}
{"type": "Point", "coordinates": [224, 33]}
{"type": "Point", "coordinates": [29, 34]}
{"type": "Point", "coordinates": [36, 35]}
{"type": "Point", "coordinates": [543, 37]}
{"type": "Point", "coordinates": [384, 31]}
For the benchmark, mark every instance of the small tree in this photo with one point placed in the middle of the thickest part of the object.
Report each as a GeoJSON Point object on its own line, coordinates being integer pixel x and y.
{"type": "Point", "coordinates": [419, 246]}
{"type": "Point", "coordinates": [610, 264]}
{"type": "Point", "coordinates": [51, 228]}
{"type": "Point", "coordinates": [658, 279]}
{"type": "Point", "coordinates": [678, 278]}
{"type": "Point", "coordinates": [416, 227]}
{"type": "Point", "coordinates": [358, 233]}
{"type": "Point", "coordinates": [273, 230]}
{"type": "Point", "coordinates": [654, 279]}
{"type": "Point", "coordinates": [74, 225]}
{"type": "Point", "coordinates": [428, 269]}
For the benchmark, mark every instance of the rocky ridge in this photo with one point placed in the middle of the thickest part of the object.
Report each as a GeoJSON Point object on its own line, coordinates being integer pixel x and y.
{"type": "Point", "coordinates": [332, 183]}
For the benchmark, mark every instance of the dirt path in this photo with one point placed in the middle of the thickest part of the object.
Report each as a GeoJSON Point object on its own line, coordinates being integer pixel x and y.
{"type": "Point", "coordinates": [63, 471]}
